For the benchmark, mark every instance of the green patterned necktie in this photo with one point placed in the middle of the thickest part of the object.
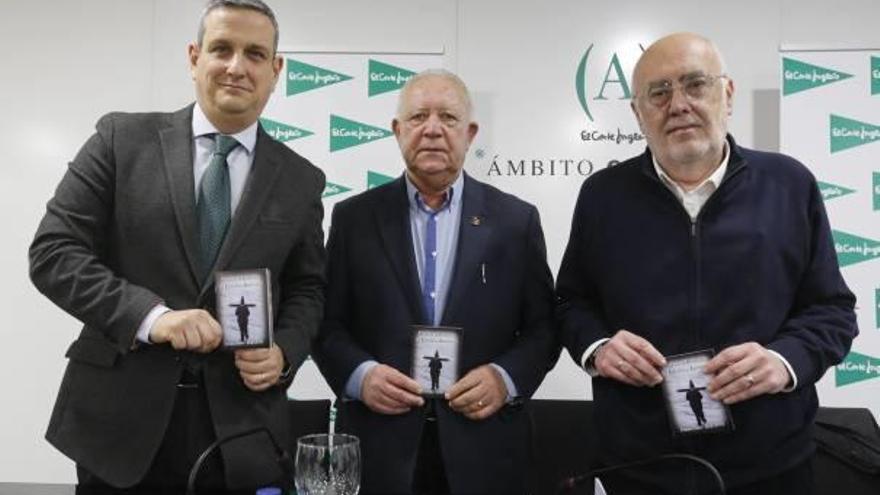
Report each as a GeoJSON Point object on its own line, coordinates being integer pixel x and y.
{"type": "Point", "coordinates": [213, 206]}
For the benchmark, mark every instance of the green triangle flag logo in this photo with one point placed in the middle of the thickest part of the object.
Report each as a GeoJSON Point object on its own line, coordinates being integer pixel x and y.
{"type": "Point", "coordinates": [848, 133]}
{"type": "Point", "coordinates": [386, 77]}
{"type": "Point", "coordinates": [875, 75]}
{"type": "Point", "coordinates": [877, 307]}
{"type": "Point", "coordinates": [302, 77]}
{"type": "Point", "coordinates": [283, 132]}
{"type": "Point", "coordinates": [800, 76]}
{"type": "Point", "coordinates": [375, 179]}
{"type": "Point", "coordinates": [831, 191]}
{"type": "Point", "coordinates": [855, 368]}
{"type": "Point", "coordinates": [332, 189]}
{"type": "Point", "coordinates": [345, 133]}
{"type": "Point", "coordinates": [853, 249]}
{"type": "Point", "coordinates": [876, 189]}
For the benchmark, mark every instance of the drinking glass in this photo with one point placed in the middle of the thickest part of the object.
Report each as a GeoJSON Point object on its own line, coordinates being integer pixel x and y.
{"type": "Point", "coordinates": [328, 464]}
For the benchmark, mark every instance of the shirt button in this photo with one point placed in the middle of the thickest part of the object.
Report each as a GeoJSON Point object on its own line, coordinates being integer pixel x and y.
{"type": "Point", "coordinates": [432, 295]}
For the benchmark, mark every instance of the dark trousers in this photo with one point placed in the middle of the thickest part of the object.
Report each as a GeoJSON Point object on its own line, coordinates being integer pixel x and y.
{"type": "Point", "coordinates": [189, 433]}
{"type": "Point", "coordinates": [796, 481]}
{"type": "Point", "coordinates": [430, 474]}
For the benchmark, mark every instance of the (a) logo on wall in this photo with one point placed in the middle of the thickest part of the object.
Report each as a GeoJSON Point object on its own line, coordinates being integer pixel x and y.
{"type": "Point", "coordinates": [855, 368]}
{"type": "Point", "coordinates": [386, 77]}
{"type": "Point", "coordinates": [332, 189]}
{"type": "Point", "coordinates": [875, 75]}
{"type": "Point", "coordinates": [852, 249]}
{"type": "Point", "coordinates": [800, 76]}
{"type": "Point", "coordinates": [283, 132]}
{"type": "Point", "coordinates": [614, 76]}
{"type": "Point", "coordinates": [831, 191]}
{"type": "Point", "coordinates": [611, 87]}
{"type": "Point", "coordinates": [302, 77]}
{"type": "Point", "coordinates": [848, 133]}
{"type": "Point", "coordinates": [345, 133]}
{"type": "Point", "coordinates": [375, 179]}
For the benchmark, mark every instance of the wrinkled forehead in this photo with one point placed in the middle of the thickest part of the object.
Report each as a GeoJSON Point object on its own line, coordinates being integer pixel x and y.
{"type": "Point", "coordinates": [673, 59]}
{"type": "Point", "coordinates": [433, 92]}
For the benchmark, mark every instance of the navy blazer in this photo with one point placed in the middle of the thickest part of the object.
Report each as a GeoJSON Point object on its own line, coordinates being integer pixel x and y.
{"type": "Point", "coordinates": [373, 298]}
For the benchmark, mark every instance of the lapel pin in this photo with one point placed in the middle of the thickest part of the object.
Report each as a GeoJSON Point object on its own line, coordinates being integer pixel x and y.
{"type": "Point", "coordinates": [476, 221]}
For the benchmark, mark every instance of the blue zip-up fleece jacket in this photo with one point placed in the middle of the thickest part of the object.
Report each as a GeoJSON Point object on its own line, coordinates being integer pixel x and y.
{"type": "Point", "coordinates": [758, 264]}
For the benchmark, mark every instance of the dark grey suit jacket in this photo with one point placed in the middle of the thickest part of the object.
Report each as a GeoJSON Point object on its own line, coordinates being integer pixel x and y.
{"type": "Point", "coordinates": [507, 316]}
{"type": "Point", "coordinates": [119, 237]}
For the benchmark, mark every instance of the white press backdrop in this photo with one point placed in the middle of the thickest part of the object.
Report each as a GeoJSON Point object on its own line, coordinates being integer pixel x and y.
{"type": "Point", "coordinates": [66, 62]}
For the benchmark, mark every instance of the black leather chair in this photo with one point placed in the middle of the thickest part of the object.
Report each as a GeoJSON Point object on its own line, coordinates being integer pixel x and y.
{"type": "Point", "coordinates": [847, 460]}
{"type": "Point", "coordinates": [307, 417]}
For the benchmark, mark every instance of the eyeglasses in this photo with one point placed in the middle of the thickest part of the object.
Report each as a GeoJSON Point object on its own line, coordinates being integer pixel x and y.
{"type": "Point", "coordinates": [696, 87]}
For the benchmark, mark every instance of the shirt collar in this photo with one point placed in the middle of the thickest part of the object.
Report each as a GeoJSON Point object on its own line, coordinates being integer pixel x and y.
{"type": "Point", "coordinates": [715, 179]}
{"type": "Point", "coordinates": [453, 198]}
{"type": "Point", "coordinates": [201, 126]}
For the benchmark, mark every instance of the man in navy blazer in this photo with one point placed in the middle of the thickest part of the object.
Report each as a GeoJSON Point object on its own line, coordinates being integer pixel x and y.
{"type": "Point", "coordinates": [147, 387]}
{"type": "Point", "coordinates": [701, 244]}
{"type": "Point", "coordinates": [436, 247]}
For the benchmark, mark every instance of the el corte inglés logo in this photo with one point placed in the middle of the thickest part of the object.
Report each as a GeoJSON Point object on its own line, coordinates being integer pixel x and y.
{"type": "Point", "coordinates": [386, 77]}
{"type": "Point", "coordinates": [877, 307]}
{"type": "Point", "coordinates": [875, 75]}
{"type": "Point", "coordinates": [831, 191]}
{"type": "Point", "coordinates": [345, 133]}
{"type": "Point", "coordinates": [332, 189]}
{"type": "Point", "coordinates": [876, 189]}
{"type": "Point", "coordinates": [848, 133]}
{"type": "Point", "coordinates": [283, 132]}
{"type": "Point", "coordinates": [852, 249]}
{"type": "Point", "coordinates": [855, 368]}
{"type": "Point", "coordinates": [375, 179]}
{"type": "Point", "coordinates": [800, 76]}
{"type": "Point", "coordinates": [302, 77]}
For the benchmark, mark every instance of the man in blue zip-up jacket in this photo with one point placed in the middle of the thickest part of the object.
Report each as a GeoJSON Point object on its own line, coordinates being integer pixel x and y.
{"type": "Point", "coordinates": [701, 244]}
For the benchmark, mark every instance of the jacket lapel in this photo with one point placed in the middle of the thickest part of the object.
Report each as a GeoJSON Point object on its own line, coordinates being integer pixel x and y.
{"type": "Point", "coordinates": [474, 234]}
{"type": "Point", "coordinates": [263, 172]}
{"type": "Point", "coordinates": [394, 228]}
{"type": "Point", "coordinates": [177, 150]}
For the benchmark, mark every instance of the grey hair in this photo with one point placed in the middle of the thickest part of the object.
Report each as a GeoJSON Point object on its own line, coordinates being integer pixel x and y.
{"type": "Point", "coordinates": [255, 5]}
{"type": "Point", "coordinates": [442, 73]}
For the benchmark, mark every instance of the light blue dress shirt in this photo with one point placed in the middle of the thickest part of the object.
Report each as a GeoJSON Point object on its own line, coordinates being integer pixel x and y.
{"type": "Point", "coordinates": [448, 221]}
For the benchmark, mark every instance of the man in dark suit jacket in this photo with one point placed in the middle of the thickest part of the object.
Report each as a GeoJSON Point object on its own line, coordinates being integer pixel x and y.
{"type": "Point", "coordinates": [120, 248]}
{"type": "Point", "coordinates": [483, 269]}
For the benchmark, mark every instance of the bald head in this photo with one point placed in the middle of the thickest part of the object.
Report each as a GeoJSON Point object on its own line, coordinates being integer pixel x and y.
{"type": "Point", "coordinates": [677, 52]}
{"type": "Point", "coordinates": [683, 98]}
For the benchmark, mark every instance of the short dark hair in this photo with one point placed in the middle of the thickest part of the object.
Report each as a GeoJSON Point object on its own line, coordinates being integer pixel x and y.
{"type": "Point", "coordinates": [255, 5]}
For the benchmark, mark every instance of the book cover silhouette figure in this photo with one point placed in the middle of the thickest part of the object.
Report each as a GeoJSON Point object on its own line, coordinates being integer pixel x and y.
{"type": "Point", "coordinates": [435, 364]}
{"type": "Point", "coordinates": [695, 398]}
{"type": "Point", "coordinates": [243, 314]}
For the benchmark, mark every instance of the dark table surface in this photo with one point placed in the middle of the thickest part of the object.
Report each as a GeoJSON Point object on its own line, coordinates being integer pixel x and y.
{"type": "Point", "coordinates": [59, 489]}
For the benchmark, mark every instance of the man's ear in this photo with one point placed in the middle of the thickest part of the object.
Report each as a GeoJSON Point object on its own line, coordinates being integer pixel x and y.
{"type": "Point", "coordinates": [192, 52]}
{"type": "Point", "coordinates": [729, 90]}
{"type": "Point", "coordinates": [472, 130]}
